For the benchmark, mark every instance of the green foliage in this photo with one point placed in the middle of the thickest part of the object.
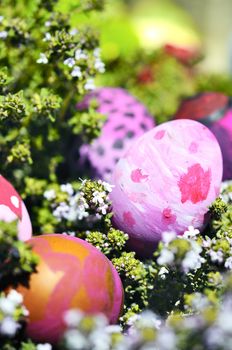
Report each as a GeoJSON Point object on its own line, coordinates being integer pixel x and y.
{"type": "Point", "coordinates": [157, 80]}
{"type": "Point", "coordinates": [17, 259]}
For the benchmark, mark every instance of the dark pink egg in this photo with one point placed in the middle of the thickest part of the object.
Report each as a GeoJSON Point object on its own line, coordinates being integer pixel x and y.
{"type": "Point", "coordinates": [126, 120]}
{"type": "Point", "coordinates": [12, 208]}
{"type": "Point", "coordinates": [215, 111]}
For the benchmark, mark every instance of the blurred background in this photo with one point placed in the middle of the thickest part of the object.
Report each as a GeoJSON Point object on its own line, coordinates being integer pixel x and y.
{"type": "Point", "coordinates": [204, 26]}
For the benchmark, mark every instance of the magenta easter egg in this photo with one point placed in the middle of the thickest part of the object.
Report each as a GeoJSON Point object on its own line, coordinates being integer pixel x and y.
{"type": "Point", "coordinates": [71, 274]}
{"type": "Point", "coordinates": [126, 119]}
{"type": "Point", "coordinates": [165, 182]}
{"type": "Point", "coordinates": [214, 110]}
{"type": "Point", "coordinates": [12, 208]}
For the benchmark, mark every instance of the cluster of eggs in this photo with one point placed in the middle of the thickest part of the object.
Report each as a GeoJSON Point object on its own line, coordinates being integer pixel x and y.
{"type": "Point", "coordinates": [164, 178]}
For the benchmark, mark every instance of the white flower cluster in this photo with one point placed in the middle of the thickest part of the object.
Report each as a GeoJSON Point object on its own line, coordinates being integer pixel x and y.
{"type": "Point", "coordinates": [75, 63]}
{"type": "Point", "coordinates": [100, 199]}
{"type": "Point", "coordinates": [11, 311]}
{"type": "Point", "coordinates": [101, 336]}
{"type": "Point", "coordinates": [97, 337]}
{"type": "Point", "coordinates": [73, 209]}
{"type": "Point", "coordinates": [192, 260]}
{"type": "Point", "coordinates": [199, 251]}
{"type": "Point", "coordinates": [3, 33]}
{"type": "Point", "coordinates": [76, 207]}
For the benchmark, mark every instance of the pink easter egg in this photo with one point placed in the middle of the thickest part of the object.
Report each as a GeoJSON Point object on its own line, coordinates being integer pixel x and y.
{"type": "Point", "coordinates": [214, 110]}
{"type": "Point", "coordinates": [12, 208]}
{"type": "Point", "coordinates": [165, 182]}
{"type": "Point", "coordinates": [71, 274]}
{"type": "Point", "coordinates": [126, 120]}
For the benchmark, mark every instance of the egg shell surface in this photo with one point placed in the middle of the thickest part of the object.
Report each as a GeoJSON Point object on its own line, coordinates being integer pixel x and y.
{"type": "Point", "coordinates": [126, 120]}
{"type": "Point", "coordinates": [71, 274]}
{"type": "Point", "coordinates": [165, 182]}
{"type": "Point", "coordinates": [12, 208]}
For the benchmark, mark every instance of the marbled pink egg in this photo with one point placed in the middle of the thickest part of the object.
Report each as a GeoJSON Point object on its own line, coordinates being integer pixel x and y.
{"type": "Point", "coordinates": [126, 119]}
{"type": "Point", "coordinates": [13, 208]}
{"type": "Point", "coordinates": [165, 182]}
{"type": "Point", "coordinates": [214, 110]}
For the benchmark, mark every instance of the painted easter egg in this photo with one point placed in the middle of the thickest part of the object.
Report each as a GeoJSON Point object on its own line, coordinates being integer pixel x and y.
{"type": "Point", "coordinates": [214, 110]}
{"type": "Point", "coordinates": [165, 182]}
{"type": "Point", "coordinates": [126, 119]}
{"type": "Point", "coordinates": [12, 208]}
{"type": "Point", "coordinates": [71, 274]}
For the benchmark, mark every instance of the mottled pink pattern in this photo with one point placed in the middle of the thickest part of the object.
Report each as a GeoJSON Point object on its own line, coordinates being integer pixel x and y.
{"type": "Point", "coordinates": [13, 208]}
{"type": "Point", "coordinates": [137, 176]}
{"type": "Point", "coordinates": [126, 120]}
{"type": "Point", "coordinates": [92, 274]}
{"type": "Point", "coordinates": [195, 184]}
{"type": "Point", "coordinates": [180, 184]}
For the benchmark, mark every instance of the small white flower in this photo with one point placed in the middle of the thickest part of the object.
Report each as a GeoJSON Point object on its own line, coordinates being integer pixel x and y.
{"type": "Point", "coordinates": [7, 306]}
{"type": "Point", "coordinates": [3, 34]}
{"type": "Point", "coordinates": [47, 37]}
{"type": "Point", "coordinates": [108, 187]}
{"type": "Point", "coordinates": [67, 188]}
{"type": "Point", "coordinates": [149, 319]}
{"type": "Point", "coordinates": [99, 66]}
{"type": "Point", "coordinates": [216, 256]}
{"type": "Point", "coordinates": [50, 194]}
{"type": "Point", "coordinates": [167, 237]}
{"type": "Point", "coordinates": [166, 257]}
{"type": "Point", "coordinates": [9, 327]}
{"type": "Point", "coordinates": [192, 261]}
{"type": "Point", "coordinates": [98, 197]}
{"type": "Point", "coordinates": [73, 32]}
{"type": "Point", "coordinates": [97, 52]}
{"type": "Point", "coordinates": [162, 272]}
{"type": "Point", "coordinates": [76, 72]}
{"type": "Point", "coordinates": [45, 346]}
{"type": "Point", "coordinates": [103, 208]}
{"type": "Point", "coordinates": [73, 317]}
{"type": "Point", "coordinates": [166, 339]}
{"type": "Point", "coordinates": [89, 85]}
{"type": "Point", "coordinates": [80, 55]}
{"type": "Point", "coordinates": [15, 297]}
{"type": "Point", "coordinates": [191, 232]}
{"type": "Point", "coordinates": [70, 62]}
{"type": "Point", "coordinates": [228, 263]}
{"type": "Point", "coordinates": [48, 24]}
{"type": "Point", "coordinates": [75, 340]}
{"type": "Point", "coordinates": [207, 242]}
{"type": "Point", "coordinates": [42, 59]}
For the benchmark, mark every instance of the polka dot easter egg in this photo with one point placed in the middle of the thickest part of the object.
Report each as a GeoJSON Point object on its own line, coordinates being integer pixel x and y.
{"type": "Point", "coordinates": [215, 111]}
{"type": "Point", "coordinates": [126, 120]}
{"type": "Point", "coordinates": [71, 274]}
{"type": "Point", "coordinates": [12, 208]}
{"type": "Point", "coordinates": [165, 182]}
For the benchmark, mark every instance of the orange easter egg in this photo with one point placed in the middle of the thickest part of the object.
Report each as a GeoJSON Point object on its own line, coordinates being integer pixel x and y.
{"type": "Point", "coordinates": [71, 274]}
